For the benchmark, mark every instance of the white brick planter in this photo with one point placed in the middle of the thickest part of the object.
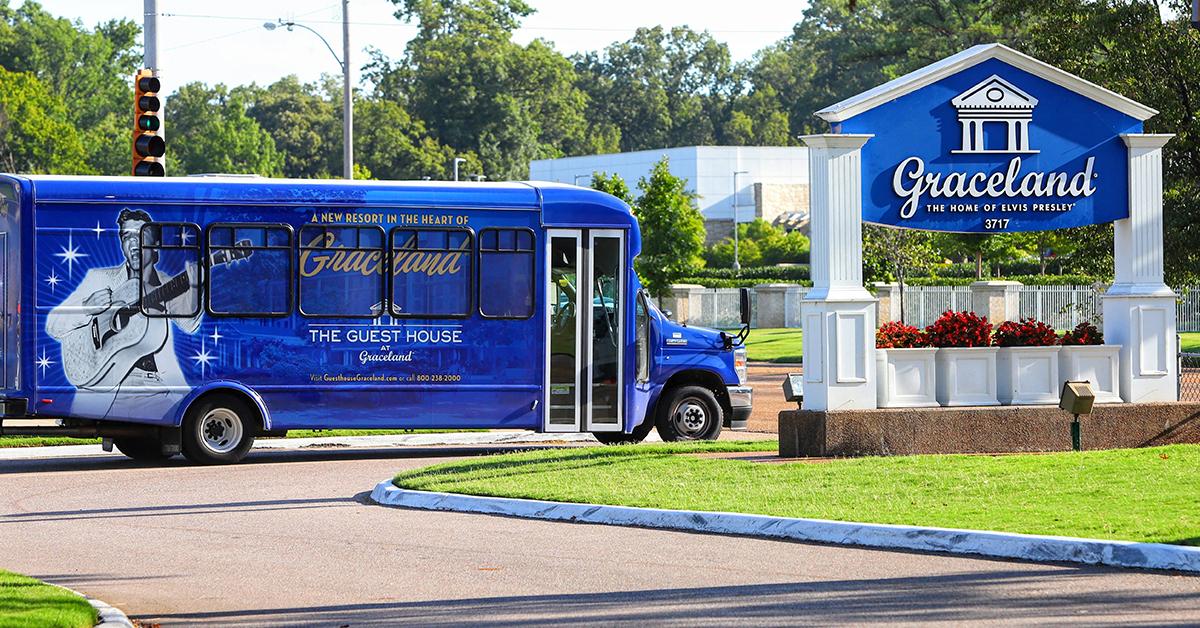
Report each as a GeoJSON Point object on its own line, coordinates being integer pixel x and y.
{"type": "Point", "coordinates": [966, 376]}
{"type": "Point", "coordinates": [906, 378]}
{"type": "Point", "coordinates": [1098, 364]}
{"type": "Point", "coordinates": [1027, 375]}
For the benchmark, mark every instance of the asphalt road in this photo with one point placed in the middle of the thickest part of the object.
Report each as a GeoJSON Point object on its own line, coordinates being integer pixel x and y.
{"type": "Point", "coordinates": [288, 539]}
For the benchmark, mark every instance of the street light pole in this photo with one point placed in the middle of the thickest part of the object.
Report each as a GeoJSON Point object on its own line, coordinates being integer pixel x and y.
{"type": "Point", "coordinates": [347, 95]}
{"type": "Point", "coordinates": [457, 160]}
{"type": "Point", "coordinates": [737, 264]}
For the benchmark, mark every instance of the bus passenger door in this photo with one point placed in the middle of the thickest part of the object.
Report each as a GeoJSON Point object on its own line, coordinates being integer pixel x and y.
{"type": "Point", "coordinates": [585, 332]}
{"type": "Point", "coordinates": [8, 343]}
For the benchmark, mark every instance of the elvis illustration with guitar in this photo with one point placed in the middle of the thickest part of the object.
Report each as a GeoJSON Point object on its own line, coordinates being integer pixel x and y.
{"type": "Point", "coordinates": [111, 346]}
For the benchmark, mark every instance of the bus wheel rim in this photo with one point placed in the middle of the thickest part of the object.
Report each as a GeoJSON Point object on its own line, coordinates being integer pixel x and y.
{"type": "Point", "coordinates": [691, 417]}
{"type": "Point", "coordinates": [220, 430]}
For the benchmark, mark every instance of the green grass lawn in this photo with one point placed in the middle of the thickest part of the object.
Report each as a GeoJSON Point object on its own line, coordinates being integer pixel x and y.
{"type": "Point", "coordinates": [26, 602]}
{"type": "Point", "coordinates": [48, 441]}
{"type": "Point", "coordinates": [774, 345]}
{"type": "Point", "coordinates": [1191, 341]}
{"type": "Point", "coordinates": [1133, 494]}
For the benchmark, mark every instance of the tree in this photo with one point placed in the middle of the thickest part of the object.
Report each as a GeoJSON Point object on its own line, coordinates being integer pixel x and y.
{"type": "Point", "coordinates": [843, 47]}
{"type": "Point", "coordinates": [394, 145]}
{"type": "Point", "coordinates": [660, 89]}
{"type": "Point", "coordinates": [91, 70]}
{"type": "Point", "coordinates": [304, 123]}
{"type": "Point", "coordinates": [720, 255]}
{"type": "Point", "coordinates": [612, 184]}
{"type": "Point", "coordinates": [899, 251]}
{"type": "Point", "coordinates": [35, 134]}
{"type": "Point", "coordinates": [477, 90]}
{"type": "Point", "coordinates": [1146, 51]}
{"type": "Point", "coordinates": [672, 229]}
{"type": "Point", "coordinates": [211, 132]}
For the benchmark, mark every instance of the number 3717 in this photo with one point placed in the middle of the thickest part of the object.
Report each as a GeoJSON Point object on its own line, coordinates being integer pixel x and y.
{"type": "Point", "coordinates": [995, 223]}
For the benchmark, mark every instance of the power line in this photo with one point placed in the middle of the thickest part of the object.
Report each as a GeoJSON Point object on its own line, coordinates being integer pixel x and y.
{"type": "Point", "coordinates": [526, 28]}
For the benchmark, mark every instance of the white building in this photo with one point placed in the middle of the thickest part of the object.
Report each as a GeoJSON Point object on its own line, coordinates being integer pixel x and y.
{"type": "Point", "coordinates": [772, 181]}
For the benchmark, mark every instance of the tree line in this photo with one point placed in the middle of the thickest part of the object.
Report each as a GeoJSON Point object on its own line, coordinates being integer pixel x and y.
{"type": "Point", "coordinates": [465, 88]}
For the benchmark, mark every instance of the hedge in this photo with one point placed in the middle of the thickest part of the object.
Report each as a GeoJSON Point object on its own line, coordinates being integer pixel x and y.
{"type": "Point", "coordinates": [798, 272]}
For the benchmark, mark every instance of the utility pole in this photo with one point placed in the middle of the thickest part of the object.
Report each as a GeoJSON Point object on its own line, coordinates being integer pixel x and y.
{"type": "Point", "coordinates": [150, 58]}
{"type": "Point", "coordinates": [347, 97]}
{"type": "Point", "coordinates": [457, 160]}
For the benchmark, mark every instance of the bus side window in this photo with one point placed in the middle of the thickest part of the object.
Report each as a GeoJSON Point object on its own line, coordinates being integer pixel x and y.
{"type": "Point", "coordinates": [341, 271]}
{"type": "Point", "coordinates": [250, 269]}
{"type": "Point", "coordinates": [506, 273]}
{"type": "Point", "coordinates": [168, 268]}
{"type": "Point", "coordinates": [431, 273]}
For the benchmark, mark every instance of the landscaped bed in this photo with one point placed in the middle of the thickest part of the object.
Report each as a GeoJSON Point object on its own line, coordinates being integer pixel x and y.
{"type": "Point", "coordinates": [1144, 495]}
{"type": "Point", "coordinates": [25, 601]}
{"type": "Point", "coordinates": [786, 344]}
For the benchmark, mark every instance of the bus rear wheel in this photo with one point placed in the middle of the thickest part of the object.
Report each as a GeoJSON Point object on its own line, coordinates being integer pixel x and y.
{"type": "Point", "coordinates": [218, 430]}
{"type": "Point", "coordinates": [141, 448]}
{"type": "Point", "coordinates": [689, 413]}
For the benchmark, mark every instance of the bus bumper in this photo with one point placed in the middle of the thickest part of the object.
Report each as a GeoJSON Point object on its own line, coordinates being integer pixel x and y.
{"type": "Point", "coordinates": [740, 399]}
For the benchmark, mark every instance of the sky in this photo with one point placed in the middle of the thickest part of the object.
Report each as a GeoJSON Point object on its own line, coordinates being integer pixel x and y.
{"type": "Point", "coordinates": [223, 41]}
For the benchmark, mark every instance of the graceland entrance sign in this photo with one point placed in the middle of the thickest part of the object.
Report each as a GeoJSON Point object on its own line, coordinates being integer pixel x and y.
{"type": "Point", "coordinates": [987, 140]}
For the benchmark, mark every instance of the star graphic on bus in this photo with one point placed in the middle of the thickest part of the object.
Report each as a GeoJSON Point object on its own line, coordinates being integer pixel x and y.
{"type": "Point", "coordinates": [216, 335]}
{"type": "Point", "coordinates": [203, 358]}
{"type": "Point", "coordinates": [70, 254]}
{"type": "Point", "coordinates": [98, 230]}
{"type": "Point", "coordinates": [44, 362]}
{"type": "Point", "coordinates": [53, 280]}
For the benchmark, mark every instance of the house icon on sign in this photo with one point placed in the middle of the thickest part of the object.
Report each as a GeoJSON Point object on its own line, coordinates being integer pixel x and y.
{"type": "Point", "coordinates": [991, 103]}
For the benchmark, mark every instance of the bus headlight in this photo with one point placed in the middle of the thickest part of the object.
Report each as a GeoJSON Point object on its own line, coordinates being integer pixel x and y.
{"type": "Point", "coordinates": [739, 364]}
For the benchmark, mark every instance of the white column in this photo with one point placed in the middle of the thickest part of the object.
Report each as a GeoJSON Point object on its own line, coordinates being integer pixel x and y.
{"type": "Point", "coordinates": [1013, 142]}
{"type": "Point", "coordinates": [978, 145]}
{"type": "Point", "coordinates": [1023, 134]}
{"type": "Point", "coordinates": [966, 134]}
{"type": "Point", "coordinates": [838, 314]}
{"type": "Point", "coordinates": [1139, 308]}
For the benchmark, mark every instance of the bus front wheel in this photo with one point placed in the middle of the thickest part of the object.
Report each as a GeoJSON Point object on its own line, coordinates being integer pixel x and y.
{"type": "Point", "coordinates": [218, 430]}
{"type": "Point", "coordinates": [689, 413]}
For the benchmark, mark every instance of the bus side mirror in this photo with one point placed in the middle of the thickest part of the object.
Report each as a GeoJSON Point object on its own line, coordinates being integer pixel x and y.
{"type": "Point", "coordinates": [744, 302]}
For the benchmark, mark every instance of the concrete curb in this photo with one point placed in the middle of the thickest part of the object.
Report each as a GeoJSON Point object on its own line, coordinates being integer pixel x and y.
{"type": "Point", "coordinates": [107, 615]}
{"type": "Point", "coordinates": [973, 542]}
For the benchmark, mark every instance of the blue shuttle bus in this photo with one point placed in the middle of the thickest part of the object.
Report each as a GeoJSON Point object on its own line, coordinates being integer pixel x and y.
{"type": "Point", "coordinates": [190, 315]}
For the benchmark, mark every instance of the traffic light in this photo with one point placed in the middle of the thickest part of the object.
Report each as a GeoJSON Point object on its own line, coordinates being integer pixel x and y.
{"type": "Point", "coordinates": [148, 145]}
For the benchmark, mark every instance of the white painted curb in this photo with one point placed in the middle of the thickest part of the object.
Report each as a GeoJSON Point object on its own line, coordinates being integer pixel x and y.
{"type": "Point", "coordinates": [975, 542]}
{"type": "Point", "coordinates": [107, 615]}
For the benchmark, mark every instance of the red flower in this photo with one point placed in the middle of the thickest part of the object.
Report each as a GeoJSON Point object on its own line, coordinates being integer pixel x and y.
{"type": "Point", "coordinates": [1084, 334]}
{"type": "Point", "coordinates": [1026, 333]}
{"type": "Point", "coordinates": [959, 329]}
{"type": "Point", "coordinates": [897, 335]}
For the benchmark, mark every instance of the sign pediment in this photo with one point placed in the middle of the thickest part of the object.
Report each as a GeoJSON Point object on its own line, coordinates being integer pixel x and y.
{"type": "Point", "coordinates": [994, 93]}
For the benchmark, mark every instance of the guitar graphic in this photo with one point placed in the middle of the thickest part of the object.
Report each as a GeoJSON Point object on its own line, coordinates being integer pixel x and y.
{"type": "Point", "coordinates": [99, 356]}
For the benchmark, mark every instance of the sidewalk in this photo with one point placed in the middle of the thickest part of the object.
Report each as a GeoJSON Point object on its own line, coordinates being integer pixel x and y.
{"type": "Point", "coordinates": [446, 439]}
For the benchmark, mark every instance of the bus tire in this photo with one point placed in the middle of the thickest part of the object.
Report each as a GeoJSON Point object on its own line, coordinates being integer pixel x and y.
{"type": "Point", "coordinates": [144, 448]}
{"type": "Point", "coordinates": [621, 438]}
{"type": "Point", "coordinates": [218, 430]}
{"type": "Point", "coordinates": [689, 413]}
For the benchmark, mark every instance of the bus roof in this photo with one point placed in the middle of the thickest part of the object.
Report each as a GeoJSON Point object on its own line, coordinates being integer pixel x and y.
{"type": "Point", "coordinates": [559, 203]}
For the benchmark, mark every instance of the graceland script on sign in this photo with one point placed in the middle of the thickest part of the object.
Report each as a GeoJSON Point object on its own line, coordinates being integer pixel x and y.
{"type": "Point", "coordinates": [912, 183]}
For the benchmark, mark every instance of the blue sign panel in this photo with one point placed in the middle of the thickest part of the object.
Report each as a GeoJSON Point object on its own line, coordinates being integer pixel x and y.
{"type": "Point", "coordinates": [993, 148]}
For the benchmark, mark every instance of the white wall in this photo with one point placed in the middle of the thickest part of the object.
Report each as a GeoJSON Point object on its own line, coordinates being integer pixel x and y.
{"type": "Point", "coordinates": [708, 170]}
